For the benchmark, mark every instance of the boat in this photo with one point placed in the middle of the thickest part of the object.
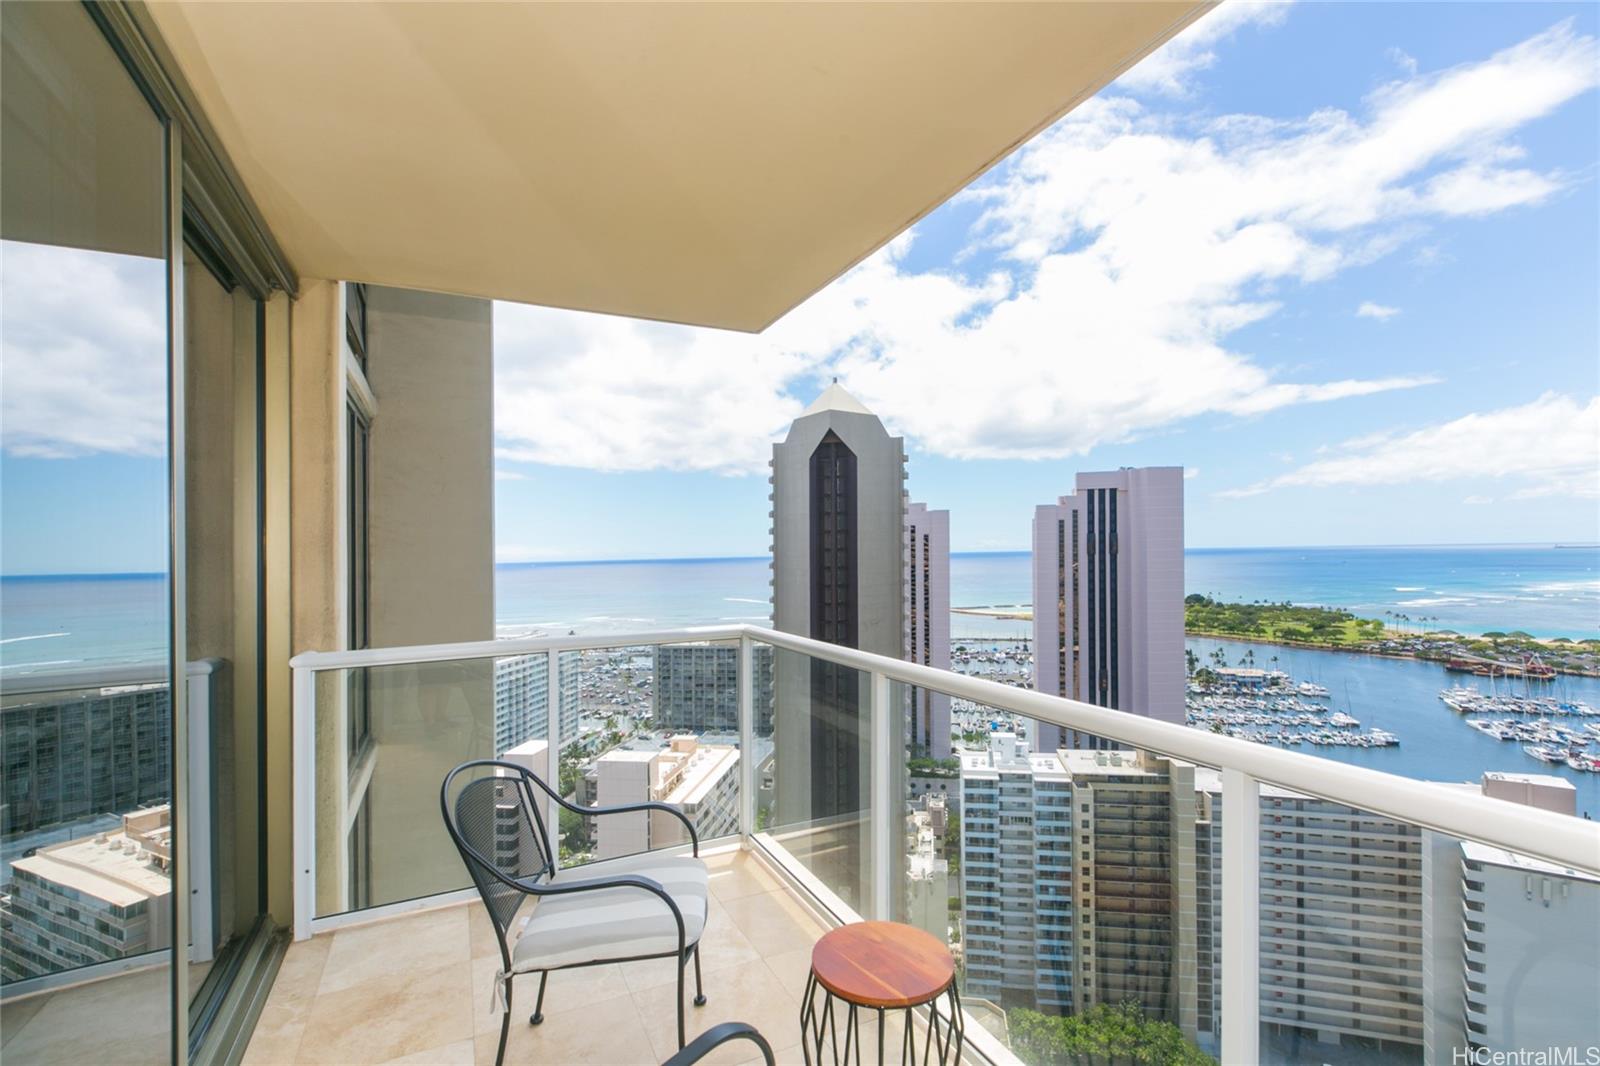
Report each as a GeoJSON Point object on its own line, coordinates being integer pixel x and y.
{"type": "Point", "coordinates": [1544, 754]}
{"type": "Point", "coordinates": [1310, 688]}
{"type": "Point", "coordinates": [1587, 763]}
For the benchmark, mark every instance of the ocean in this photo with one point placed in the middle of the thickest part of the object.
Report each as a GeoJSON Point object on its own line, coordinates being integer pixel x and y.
{"type": "Point", "coordinates": [68, 621]}
{"type": "Point", "coordinates": [58, 623]}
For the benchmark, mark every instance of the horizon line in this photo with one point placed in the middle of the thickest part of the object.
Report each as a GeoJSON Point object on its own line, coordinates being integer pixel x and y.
{"type": "Point", "coordinates": [1553, 544]}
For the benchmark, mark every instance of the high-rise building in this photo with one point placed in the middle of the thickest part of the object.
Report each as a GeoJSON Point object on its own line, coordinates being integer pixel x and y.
{"type": "Point", "coordinates": [1509, 942]}
{"type": "Point", "coordinates": [1341, 919]}
{"type": "Point", "coordinates": [1078, 879]}
{"type": "Point", "coordinates": [702, 780]}
{"type": "Point", "coordinates": [696, 688]}
{"type": "Point", "coordinates": [1016, 876]}
{"type": "Point", "coordinates": [1108, 597]}
{"type": "Point", "coordinates": [838, 572]}
{"type": "Point", "coordinates": [522, 700]}
{"type": "Point", "coordinates": [90, 900]}
{"type": "Point", "coordinates": [71, 755]}
{"type": "Point", "coordinates": [928, 623]}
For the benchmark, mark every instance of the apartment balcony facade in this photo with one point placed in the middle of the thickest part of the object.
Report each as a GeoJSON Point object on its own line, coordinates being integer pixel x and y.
{"type": "Point", "coordinates": [221, 830]}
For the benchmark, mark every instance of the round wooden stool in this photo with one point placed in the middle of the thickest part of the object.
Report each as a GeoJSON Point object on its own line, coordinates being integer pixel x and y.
{"type": "Point", "coordinates": [881, 966]}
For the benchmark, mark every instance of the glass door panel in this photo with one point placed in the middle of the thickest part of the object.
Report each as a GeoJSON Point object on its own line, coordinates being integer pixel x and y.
{"type": "Point", "coordinates": [86, 687]}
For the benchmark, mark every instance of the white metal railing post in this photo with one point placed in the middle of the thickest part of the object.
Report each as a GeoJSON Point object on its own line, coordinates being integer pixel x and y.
{"type": "Point", "coordinates": [304, 789]}
{"type": "Point", "coordinates": [885, 827]}
{"type": "Point", "coordinates": [1241, 917]}
{"type": "Point", "coordinates": [552, 731]}
{"type": "Point", "coordinates": [747, 741]}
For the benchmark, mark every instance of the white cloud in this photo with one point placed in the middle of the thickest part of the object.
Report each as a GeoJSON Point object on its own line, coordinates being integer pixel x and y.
{"type": "Point", "coordinates": [1477, 501]}
{"type": "Point", "coordinates": [83, 352]}
{"type": "Point", "coordinates": [1548, 447]}
{"type": "Point", "coordinates": [1190, 473]}
{"type": "Point", "coordinates": [1368, 309]}
{"type": "Point", "coordinates": [1128, 248]}
{"type": "Point", "coordinates": [1168, 69]}
{"type": "Point", "coordinates": [508, 475]}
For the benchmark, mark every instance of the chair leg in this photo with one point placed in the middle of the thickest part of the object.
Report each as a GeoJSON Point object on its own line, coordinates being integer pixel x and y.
{"type": "Point", "coordinates": [505, 1024]}
{"type": "Point", "coordinates": [699, 990]}
{"type": "Point", "coordinates": [683, 961]}
{"type": "Point", "coordinates": [538, 1007]}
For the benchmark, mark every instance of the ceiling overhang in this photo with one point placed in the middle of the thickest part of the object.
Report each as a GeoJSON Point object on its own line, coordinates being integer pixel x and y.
{"type": "Point", "coordinates": [706, 163]}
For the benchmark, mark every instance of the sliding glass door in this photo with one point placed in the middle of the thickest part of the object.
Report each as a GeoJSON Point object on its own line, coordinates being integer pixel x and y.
{"type": "Point", "coordinates": [89, 690]}
{"type": "Point", "coordinates": [132, 731]}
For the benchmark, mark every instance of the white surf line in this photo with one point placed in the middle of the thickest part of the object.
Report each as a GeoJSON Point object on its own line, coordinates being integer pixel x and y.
{"type": "Point", "coordinates": [36, 636]}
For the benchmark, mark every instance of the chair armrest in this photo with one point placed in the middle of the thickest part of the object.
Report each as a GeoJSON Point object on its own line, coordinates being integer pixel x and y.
{"type": "Point", "coordinates": [716, 1036]}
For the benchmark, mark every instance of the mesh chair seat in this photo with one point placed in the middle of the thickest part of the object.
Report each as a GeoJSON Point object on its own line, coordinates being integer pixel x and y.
{"type": "Point", "coordinates": [614, 923]}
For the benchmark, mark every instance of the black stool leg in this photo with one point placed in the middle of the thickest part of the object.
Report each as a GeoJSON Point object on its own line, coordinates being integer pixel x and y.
{"type": "Point", "coordinates": [699, 992]}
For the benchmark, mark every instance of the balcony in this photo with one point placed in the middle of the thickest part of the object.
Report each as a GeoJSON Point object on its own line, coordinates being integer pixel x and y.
{"type": "Point", "coordinates": [819, 811]}
{"type": "Point", "coordinates": [419, 986]}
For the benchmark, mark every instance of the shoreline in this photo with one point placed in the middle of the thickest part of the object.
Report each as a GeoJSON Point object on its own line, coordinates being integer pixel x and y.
{"type": "Point", "coordinates": [1376, 653]}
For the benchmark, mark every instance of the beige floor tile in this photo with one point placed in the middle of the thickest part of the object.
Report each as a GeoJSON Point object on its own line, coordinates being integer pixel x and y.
{"type": "Point", "coordinates": [773, 922]}
{"type": "Point", "coordinates": [300, 973]}
{"type": "Point", "coordinates": [745, 877]}
{"type": "Point", "coordinates": [14, 1014]}
{"type": "Point", "coordinates": [399, 1013]}
{"type": "Point", "coordinates": [276, 1038]}
{"type": "Point", "coordinates": [423, 941]}
{"type": "Point", "coordinates": [784, 1056]}
{"type": "Point", "coordinates": [567, 990]}
{"type": "Point", "coordinates": [792, 968]}
{"type": "Point", "coordinates": [459, 1053]}
{"type": "Point", "coordinates": [481, 932]}
{"type": "Point", "coordinates": [745, 994]}
{"type": "Point", "coordinates": [608, 1033]}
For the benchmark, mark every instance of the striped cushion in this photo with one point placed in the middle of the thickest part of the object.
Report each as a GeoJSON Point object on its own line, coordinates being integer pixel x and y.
{"type": "Point", "coordinates": [614, 923]}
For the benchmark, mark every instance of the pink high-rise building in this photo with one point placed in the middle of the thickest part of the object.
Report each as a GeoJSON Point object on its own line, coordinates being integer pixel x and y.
{"type": "Point", "coordinates": [1108, 597]}
{"type": "Point", "coordinates": [928, 622]}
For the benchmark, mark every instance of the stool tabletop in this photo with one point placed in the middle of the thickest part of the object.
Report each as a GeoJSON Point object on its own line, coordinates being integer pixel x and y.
{"type": "Point", "coordinates": [882, 964]}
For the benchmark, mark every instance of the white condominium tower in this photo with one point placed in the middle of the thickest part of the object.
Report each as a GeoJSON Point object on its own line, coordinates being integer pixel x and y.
{"type": "Point", "coordinates": [1509, 942]}
{"type": "Point", "coordinates": [1108, 597]}
{"type": "Point", "coordinates": [928, 623]}
{"type": "Point", "coordinates": [838, 574]}
{"type": "Point", "coordinates": [1078, 877]}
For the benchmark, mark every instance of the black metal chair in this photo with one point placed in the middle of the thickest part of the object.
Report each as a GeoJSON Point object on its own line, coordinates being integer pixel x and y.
{"type": "Point", "coordinates": [647, 906]}
{"type": "Point", "coordinates": [715, 1037]}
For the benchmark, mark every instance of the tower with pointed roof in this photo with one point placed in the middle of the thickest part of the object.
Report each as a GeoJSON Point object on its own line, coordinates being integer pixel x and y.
{"type": "Point", "coordinates": [838, 574]}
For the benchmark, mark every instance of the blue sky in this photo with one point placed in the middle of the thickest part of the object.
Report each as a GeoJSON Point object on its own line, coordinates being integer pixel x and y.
{"type": "Point", "coordinates": [1339, 260]}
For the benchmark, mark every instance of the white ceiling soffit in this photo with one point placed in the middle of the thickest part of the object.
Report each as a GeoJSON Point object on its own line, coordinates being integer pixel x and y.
{"type": "Point", "coordinates": [704, 163]}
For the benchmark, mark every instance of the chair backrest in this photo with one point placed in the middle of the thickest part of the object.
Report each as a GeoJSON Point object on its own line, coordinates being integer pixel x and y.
{"type": "Point", "coordinates": [495, 823]}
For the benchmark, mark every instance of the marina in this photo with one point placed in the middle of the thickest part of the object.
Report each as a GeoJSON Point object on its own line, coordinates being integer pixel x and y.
{"type": "Point", "coordinates": [1529, 721]}
{"type": "Point", "coordinates": [1270, 707]}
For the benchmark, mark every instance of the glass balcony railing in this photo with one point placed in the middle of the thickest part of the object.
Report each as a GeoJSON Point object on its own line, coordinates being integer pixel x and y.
{"type": "Point", "coordinates": [1185, 890]}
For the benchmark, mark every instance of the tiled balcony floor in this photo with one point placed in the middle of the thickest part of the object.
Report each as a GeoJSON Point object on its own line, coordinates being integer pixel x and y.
{"type": "Point", "coordinates": [418, 989]}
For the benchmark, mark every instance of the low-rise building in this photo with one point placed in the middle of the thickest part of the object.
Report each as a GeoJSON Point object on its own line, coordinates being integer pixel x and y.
{"type": "Point", "coordinates": [702, 780]}
{"type": "Point", "coordinates": [90, 900]}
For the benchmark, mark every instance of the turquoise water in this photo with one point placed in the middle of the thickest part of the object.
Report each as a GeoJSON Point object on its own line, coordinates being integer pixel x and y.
{"type": "Point", "coordinates": [59, 623]}
{"type": "Point", "coordinates": [1543, 590]}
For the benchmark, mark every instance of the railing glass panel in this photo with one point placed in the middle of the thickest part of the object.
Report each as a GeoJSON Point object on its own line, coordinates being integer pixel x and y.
{"type": "Point", "coordinates": [649, 723]}
{"type": "Point", "coordinates": [1381, 941]}
{"type": "Point", "coordinates": [815, 789]}
{"type": "Point", "coordinates": [1075, 886]}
